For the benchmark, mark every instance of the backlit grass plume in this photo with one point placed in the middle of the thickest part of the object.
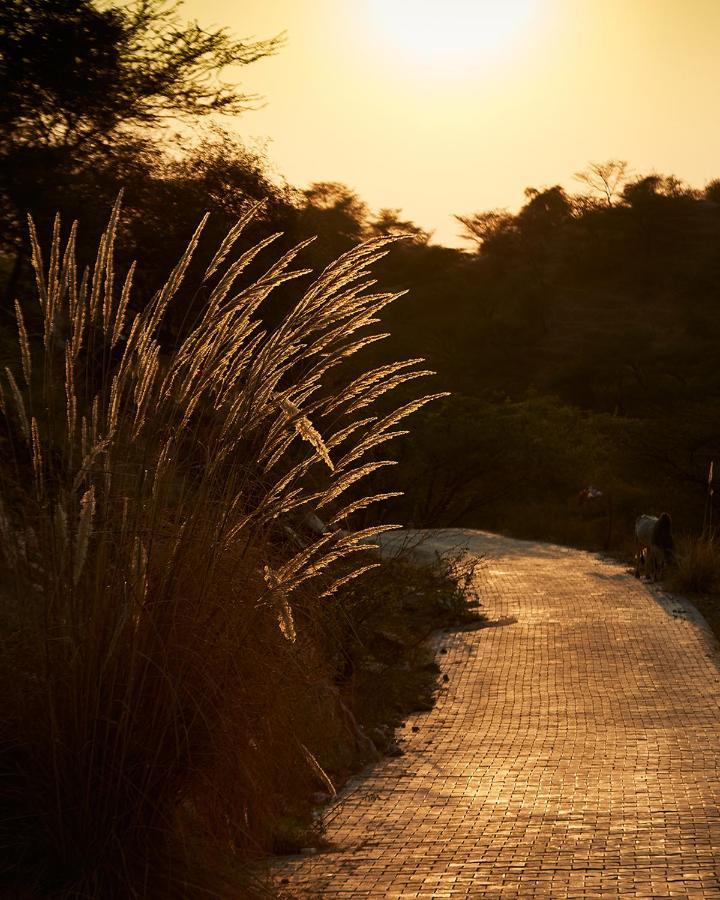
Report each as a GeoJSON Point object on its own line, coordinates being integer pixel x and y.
{"type": "Point", "coordinates": [154, 620]}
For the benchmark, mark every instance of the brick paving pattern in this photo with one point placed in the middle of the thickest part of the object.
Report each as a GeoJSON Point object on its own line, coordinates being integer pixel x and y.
{"type": "Point", "coordinates": [573, 753]}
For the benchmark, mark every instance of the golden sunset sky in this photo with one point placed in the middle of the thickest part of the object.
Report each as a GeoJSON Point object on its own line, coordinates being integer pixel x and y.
{"type": "Point", "coordinates": [456, 106]}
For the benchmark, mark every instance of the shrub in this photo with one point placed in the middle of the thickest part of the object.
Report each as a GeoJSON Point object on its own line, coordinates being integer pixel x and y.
{"type": "Point", "coordinates": [157, 678]}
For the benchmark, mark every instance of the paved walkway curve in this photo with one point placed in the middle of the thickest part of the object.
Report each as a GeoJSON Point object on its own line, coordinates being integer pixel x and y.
{"type": "Point", "coordinates": [575, 753]}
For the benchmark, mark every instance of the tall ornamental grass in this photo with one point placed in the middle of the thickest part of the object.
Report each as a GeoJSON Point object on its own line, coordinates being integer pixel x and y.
{"type": "Point", "coordinates": [157, 628]}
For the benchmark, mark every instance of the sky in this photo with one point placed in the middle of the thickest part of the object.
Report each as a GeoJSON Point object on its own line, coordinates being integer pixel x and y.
{"type": "Point", "coordinates": [456, 106]}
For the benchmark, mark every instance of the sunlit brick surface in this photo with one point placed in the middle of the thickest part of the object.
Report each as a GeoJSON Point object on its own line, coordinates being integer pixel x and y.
{"type": "Point", "coordinates": [574, 753]}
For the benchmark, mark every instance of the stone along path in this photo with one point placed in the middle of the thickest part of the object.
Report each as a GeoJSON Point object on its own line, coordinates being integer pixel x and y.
{"type": "Point", "coordinates": [574, 753]}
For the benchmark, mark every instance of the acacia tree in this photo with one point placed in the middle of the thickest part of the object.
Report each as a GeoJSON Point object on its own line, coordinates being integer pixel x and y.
{"type": "Point", "coordinates": [482, 226]}
{"type": "Point", "coordinates": [605, 180]}
{"type": "Point", "coordinates": [389, 223]}
{"type": "Point", "coordinates": [74, 72]}
{"type": "Point", "coordinates": [81, 78]}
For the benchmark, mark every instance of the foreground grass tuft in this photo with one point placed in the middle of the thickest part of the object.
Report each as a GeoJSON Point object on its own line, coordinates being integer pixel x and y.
{"type": "Point", "coordinates": [697, 569]}
{"type": "Point", "coordinates": [163, 603]}
{"type": "Point", "coordinates": [697, 573]}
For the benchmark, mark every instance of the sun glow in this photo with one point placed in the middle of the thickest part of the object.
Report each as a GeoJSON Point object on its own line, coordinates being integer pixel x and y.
{"type": "Point", "coordinates": [451, 32]}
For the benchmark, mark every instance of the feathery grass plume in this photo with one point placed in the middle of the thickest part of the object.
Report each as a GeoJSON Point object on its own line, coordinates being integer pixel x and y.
{"type": "Point", "coordinates": [54, 278]}
{"type": "Point", "coordinates": [79, 320]}
{"type": "Point", "coordinates": [365, 382]}
{"type": "Point", "coordinates": [19, 405]}
{"type": "Point", "coordinates": [347, 480]}
{"type": "Point", "coordinates": [231, 238]}
{"type": "Point", "coordinates": [306, 430]}
{"type": "Point", "coordinates": [70, 397]}
{"type": "Point", "coordinates": [381, 429]}
{"type": "Point", "coordinates": [24, 344]}
{"type": "Point", "coordinates": [52, 284]}
{"type": "Point", "coordinates": [160, 302]}
{"type": "Point", "coordinates": [300, 562]}
{"type": "Point", "coordinates": [147, 500]}
{"type": "Point", "coordinates": [344, 433]}
{"type": "Point", "coordinates": [86, 467]}
{"type": "Point", "coordinates": [149, 367]}
{"type": "Point", "coordinates": [84, 437]}
{"type": "Point", "coordinates": [224, 286]}
{"type": "Point", "coordinates": [108, 300]}
{"type": "Point", "coordinates": [84, 531]}
{"type": "Point", "coordinates": [346, 579]}
{"type": "Point", "coordinates": [37, 457]}
{"type": "Point", "coordinates": [325, 778]}
{"type": "Point", "coordinates": [69, 271]}
{"type": "Point", "coordinates": [119, 322]}
{"type": "Point", "coordinates": [286, 620]}
{"type": "Point", "coordinates": [95, 419]}
{"type": "Point", "coordinates": [383, 386]}
{"type": "Point", "coordinates": [360, 504]}
{"type": "Point", "coordinates": [369, 443]}
{"type": "Point", "coordinates": [101, 299]}
{"type": "Point", "coordinates": [38, 265]}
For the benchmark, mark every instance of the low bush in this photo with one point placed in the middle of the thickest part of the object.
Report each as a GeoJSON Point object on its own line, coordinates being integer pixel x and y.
{"type": "Point", "coordinates": [386, 666]}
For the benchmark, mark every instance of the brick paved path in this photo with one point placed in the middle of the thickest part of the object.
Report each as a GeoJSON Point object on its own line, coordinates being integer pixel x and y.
{"type": "Point", "coordinates": [575, 752]}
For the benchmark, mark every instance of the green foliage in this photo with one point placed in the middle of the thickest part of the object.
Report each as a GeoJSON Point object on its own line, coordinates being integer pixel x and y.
{"type": "Point", "coordinates": [513, 455]}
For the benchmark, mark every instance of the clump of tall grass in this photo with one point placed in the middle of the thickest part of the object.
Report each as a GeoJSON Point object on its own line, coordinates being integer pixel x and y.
{"type": "Point", "coordinates": [697, 566]}
{"type": "Point", "coordinates": [154, 621]}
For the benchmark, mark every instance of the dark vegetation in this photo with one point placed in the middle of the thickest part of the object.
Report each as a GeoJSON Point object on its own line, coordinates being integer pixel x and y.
{"type": "Point", "coordinates": [176, 657]}
{"type": "Point", "coordinates": [183, 654]}
{"type": "Point", "coordinates": [382, 670]}
{"type": "Point", "coordinates": [388, 668]}
{"type": "Point", "coordinates": [578, 338]}
{"type": "Point", "coordinates": [583, 335]}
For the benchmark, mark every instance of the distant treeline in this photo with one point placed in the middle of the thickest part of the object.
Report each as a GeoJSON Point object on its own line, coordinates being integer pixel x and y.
{"type": "Point", "coordinates": [581, 339]}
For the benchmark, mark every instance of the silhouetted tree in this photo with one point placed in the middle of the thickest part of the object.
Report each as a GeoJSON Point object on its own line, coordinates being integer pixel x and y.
{"type": "Point", "coordinates": [605, 180]}
{"type": "Point", "coordinates": [545, 209]}
{"type": "Point", "coordinates": [83, 82]}
{"type": "Point", "coordinates": [712, 190]}
{"type": "Point", "coordinates": [74, 72]}
{"type": "Point", "coordinates": [484, 226]}
{"type": "Point", "coordinates": [389, 222]}
{"type": "Point", "coordinates": [334, 213]}
{"type": "Point", "coordinates": [653, 186]}
{"type": "Point", "coordinates": [169, 197]}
